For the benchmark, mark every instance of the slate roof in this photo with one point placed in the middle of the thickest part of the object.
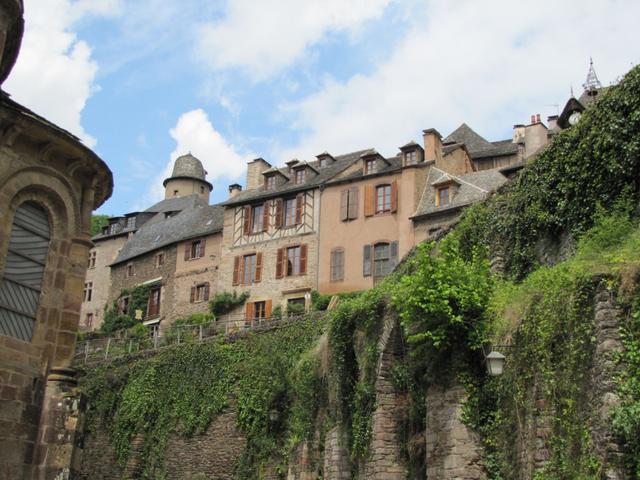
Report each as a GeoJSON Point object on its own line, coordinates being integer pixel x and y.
{"type": "Point", "coordinates": [324, 175]}
{"type": "Point", "coordinates": [394, 164]}
{"type": "Point", "coordinates": [472, 187]}
{"type": "Point", "coordinates": [175, 204]}
{"type": "Point", "coordinates": [189, 223]}
{"type": "Point", "coordinates": [477, 145]}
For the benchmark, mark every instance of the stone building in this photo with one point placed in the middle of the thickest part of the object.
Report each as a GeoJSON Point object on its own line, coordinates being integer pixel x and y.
{"type": "Point", "coordinates": [49, 184]}
{"type": "Point", "coordinates": [172, 248]}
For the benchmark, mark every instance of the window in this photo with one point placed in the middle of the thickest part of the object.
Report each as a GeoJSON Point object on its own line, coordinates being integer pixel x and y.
{"type": "Point", "coordinates": [383, 198]}
{"type": "Point", "coordinates": [291, 261]}
{"type": "Point", "coordinates": [130, 271]}
{"type": "Point", "coordinates": [200, 293]}
{"type": "Point", "coordinates": [92, 259]}
{"type": "Point", "coordinates": [175, 193]}
{"type": "Point", "coordinates": [131, 222]}
{"type": "Point", "coordinates": [88, 320]}
{"type": "Point", "coordinates": [370, 166]}
{"type": "Point", "coordinates": [324, 162]}
{"type": "Point", "coordinates": [22, 278]}
{"type": "Point", "coordinates": [112, 228]}
{"type": "Point", "coordinates": [159, 260]}
{"type": "Point", "coordinates": [123, 305]}
{"type": "Point", "coordinates": [379, 259]}
{"type": "Point", "coordinates": [337, 265]}
{"type": "Point", "coordinates": [270, 182]}
{"type": "Point", "coordinates": [299, 176]}
{"type": "Point", "coordinates": [257, 310]}
{"type": "Point", "coordinates": [153, 305]}
{"type": "Point", "coordinates": [349, 204]}
{"type": "Point", "coordinates": [88, 291]}
{"type": "Point", "coordinates": [247, 269]}
{"type": "Point", "coordinates": [411, 158]}
{"type": "Point", "coordinates": [290, 212]}
{"type": "Point", "coordinates": [257, 224]}
{"type": "Point", "coordinates": [443, 196]}
{"type": "Point", "coordinates": [201, 189]}
{"type": "Point", "coordinates": [194, 249]}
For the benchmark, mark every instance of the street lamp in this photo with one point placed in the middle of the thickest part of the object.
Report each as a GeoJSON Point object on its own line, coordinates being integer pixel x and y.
{"type": "Point", "coordinates": [495, 363]}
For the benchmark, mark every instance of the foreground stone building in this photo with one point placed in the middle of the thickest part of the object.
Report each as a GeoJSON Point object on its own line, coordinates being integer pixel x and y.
{"type": "Point", "coordinates": [49, 184]}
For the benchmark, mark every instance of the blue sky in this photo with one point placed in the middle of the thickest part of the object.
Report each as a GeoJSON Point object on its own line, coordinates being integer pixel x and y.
{"type": "Point", "coordinates": [143, 81]}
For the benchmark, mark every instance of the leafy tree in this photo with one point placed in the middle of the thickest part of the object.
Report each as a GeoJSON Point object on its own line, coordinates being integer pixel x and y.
{"type": "Point", "coordinates": [98, 222]}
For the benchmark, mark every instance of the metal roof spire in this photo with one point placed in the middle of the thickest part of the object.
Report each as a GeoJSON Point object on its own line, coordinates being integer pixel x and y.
{"type": "Point", "coordinates": [592, 82]}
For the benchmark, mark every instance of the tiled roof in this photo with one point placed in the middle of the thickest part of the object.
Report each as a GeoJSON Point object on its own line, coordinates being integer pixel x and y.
{"type": "Point", "coordinates": [393, 164]}
{"type": "Point", "coordinates": [324, 174]}
{"type": "Point", "coordinates": [472, 187]}
{"type": "Point", "coordinates": [189, 223]}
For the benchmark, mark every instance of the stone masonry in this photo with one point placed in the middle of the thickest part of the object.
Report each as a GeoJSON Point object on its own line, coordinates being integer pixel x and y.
{"type": "Point", "coordinates": [453, 450]}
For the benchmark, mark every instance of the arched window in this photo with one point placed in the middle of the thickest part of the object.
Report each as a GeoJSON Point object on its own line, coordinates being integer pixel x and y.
{"type": "Point", "coordinates": [21, 281]}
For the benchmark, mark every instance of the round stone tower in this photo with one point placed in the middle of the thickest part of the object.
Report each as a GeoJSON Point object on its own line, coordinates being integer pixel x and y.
{"type": "Point", "coordinates": [188, 177]}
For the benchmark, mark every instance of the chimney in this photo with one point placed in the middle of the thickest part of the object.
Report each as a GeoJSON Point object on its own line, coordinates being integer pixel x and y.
{"type": "Point", "coordinates": [292, 163]}
{"type": "Point", "coordinates": [552, 121]}
{"type": "Point", "coordinates": [254, 172]}
{"type": "Point", "coordinates": [234, 189]}
{"type": "Point", "coordinates": [537, 118]}
{"type": "Point", "coordinates": [533, 119]}
{"type": "Point", "coordinates": [432, 145]}
{"type": "Point", "coordinates": [518, 133]}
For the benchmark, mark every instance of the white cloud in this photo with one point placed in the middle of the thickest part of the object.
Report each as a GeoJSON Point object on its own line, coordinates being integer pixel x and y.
{"type": "Point", "coordinates": [195, 133]}
{"type": "Point", "coordinates": [55, 74]}
{"type": "Point", "coordinates": [489, 64]}
{"type": "Point", "coordinates": [263, 37]}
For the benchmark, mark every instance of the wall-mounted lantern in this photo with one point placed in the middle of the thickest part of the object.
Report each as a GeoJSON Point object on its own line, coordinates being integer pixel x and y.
{"type": "Point", "coordinates": [495, 363]}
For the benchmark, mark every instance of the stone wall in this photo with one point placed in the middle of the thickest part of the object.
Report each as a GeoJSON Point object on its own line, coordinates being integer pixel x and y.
{"type": "Point", "coordinates": [213, 454]}
{"type": "Point", "coordinates": [453, 450]}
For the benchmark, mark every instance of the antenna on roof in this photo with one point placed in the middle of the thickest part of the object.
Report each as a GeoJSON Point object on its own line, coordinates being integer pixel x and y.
{"type": "Point", "coordinates": [591, 83]}
{"type": "Point", "coordinates": [571, 88]}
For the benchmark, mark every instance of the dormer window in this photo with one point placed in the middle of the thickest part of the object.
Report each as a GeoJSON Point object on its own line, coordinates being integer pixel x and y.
{"type": "Point", "coordinates": [443, 196]}
{"type": "Point", "coordinates": [299, 176]}
{"type": "Point", "coordinates": [131, 222]}
{"type": "Point", "coordinates": [112, 228]}
{"type": "Point", "coordinates": [411, 158]}
{"type": "Point", "coordinates": [270, 182]}
{"type": "Point", "coordinates": [370, 166]}
{"type": "Point", "coordinates": [324, 162]}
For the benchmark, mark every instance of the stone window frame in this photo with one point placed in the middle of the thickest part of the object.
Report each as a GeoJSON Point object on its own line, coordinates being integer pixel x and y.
{"type": "Point", "coordinates": [239, 264]}
{"type": "Point", "coordinates": [265, 307]}
{"type": "Point", "coordinates": [92, 259]}
{"type": "Point", "coordinates": [249, 225]}
{"type": "Point", "coordinates": [129, 270]}
{"type": "Point", "coordinates": [154, 313]}
{"type": "Point", "coordinates": [160, 259]}
{"type": "Point", "coordinates": [270, 182]}
{"type": "Point", "coordinates": [87, 293]}
{"type": "Point", "coordinates": [88, 320]}
{"type": "Point", "coordinates": [299, 176]}
{"type": "Point", "coordinates": [411, 157]}
{"type": "Point", "coordinates": [370, 166]}
{"type": "Point", "coordinates": [282, 261]}
{"type": "Point", "coordinates": [131, 222]}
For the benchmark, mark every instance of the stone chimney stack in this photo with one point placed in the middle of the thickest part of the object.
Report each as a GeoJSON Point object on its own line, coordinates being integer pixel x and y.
{"type": "Point", "coordinates": [254, 172]}
{"type": "Point", "coordinates": [432, 145]}
{"type": "Point", "coordinates": [234, 189]}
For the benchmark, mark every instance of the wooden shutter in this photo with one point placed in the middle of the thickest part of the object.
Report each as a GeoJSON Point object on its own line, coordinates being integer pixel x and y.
{"type": "Point", "coordinates": [249, 311]}
{"type": "Point", "coordinates": [279, 262]}
{"type": "Point", "coordinates": [394, 254]}
{"type": "Point", "coordinates": [344, 205]}
{"type": "Point", "coordinates": [192, 298]}
{"type": "Point", "coordinates": [246, 229]}
{"type": "Point", "coordinates": [303, 259]}
{"type": "Point", "coordinates": [279, 208]}
{"type": "Point", "coordinates": [366, 263]}
{"type": "Point", "coordinates": [394, 196]}
{"type": "Point", "coordinates": [299, 208]}
{"type": "Point", "coordinates": [268, 308]}
{"type": "Point", "coordinates": [203, 242]}
{"type": "Point", "coordinates": [353, 203]}
{"type": "Point", "coordinates": [236, 270]}
{"type": "Point", "coordinates": [258, 267]}
{"type": "Point", "coordinates": [187, 250]}
{"type": "Point", "coordinates": [206, 291]}
{"type": "Point", "coordinates": [265, 216]}
{"type": "Point", "coordinates": [369, 200]}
